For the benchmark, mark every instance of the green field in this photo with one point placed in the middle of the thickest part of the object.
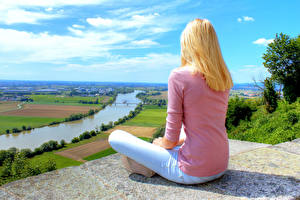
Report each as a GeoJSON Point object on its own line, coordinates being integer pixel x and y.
{"type": "Point", "coordinates": [150, 116]}
{"type": "Point", "coordinates": [10, 122]}
{"type": "Point", "coordinates": [100, 154]}
{"type": "Point", "coordinates": [63, 100]}
{"type": "Point", "coordinates": [61, 162]}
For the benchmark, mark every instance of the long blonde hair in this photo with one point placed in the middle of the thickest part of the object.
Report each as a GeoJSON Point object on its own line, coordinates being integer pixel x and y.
{"type": "Point", "coordinates": [200, 49]}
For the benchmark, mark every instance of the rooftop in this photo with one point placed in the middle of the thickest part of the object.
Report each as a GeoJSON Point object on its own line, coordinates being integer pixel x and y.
{"type": "Point", "coordinates": [256, 171]}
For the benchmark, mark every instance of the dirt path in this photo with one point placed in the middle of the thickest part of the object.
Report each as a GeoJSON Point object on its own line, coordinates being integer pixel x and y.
{"type": "Point", "coordinates": [78, 153]}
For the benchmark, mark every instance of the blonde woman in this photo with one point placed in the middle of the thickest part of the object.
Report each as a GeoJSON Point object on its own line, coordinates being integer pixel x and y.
{"type": "Point", "coordinates": [197, 103]}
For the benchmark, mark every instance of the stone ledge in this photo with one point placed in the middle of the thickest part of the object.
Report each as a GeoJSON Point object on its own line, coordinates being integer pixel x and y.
{"type": "Point", "coordinates": [256, 173]}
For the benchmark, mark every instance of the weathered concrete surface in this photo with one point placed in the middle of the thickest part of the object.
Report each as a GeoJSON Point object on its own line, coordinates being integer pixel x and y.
{"type": "Point", "coordinates": [292, 147]}
{"type": "Point", "coordinates": [255, 172]}
{"type": "Point", "coordinates": [237, 146]}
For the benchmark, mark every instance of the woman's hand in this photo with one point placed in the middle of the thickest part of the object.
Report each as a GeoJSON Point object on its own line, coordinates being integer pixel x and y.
{"type": "Point", "coordinates": [164, 143]}
{"type": "Point", "coordinates": [157, 141]}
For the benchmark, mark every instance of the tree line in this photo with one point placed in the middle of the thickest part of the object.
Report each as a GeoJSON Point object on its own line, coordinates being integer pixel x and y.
{"type": "Point", "coordinates": [144, 96]}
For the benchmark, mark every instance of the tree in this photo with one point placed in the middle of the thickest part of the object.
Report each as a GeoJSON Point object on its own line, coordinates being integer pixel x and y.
{"type": "Point", "coordinates": [270, 96]}
{"type": "Point", "coordinates": [282, 60]}
{"type": "Point", "coordinates": [63, 143]}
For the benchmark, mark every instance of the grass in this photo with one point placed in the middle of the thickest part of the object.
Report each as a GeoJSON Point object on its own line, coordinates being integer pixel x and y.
{"type": "Point", "coordinates": [107, 152]}
{"type": "Point", "coordinates": [61, 162]}
{"type": "Point", "coordinates": [150, 116]}
{"type": "Point", "coordinates": [9, 122]}
{"type": "Point", "coordinates": [63, 100]}
{"type": "Point", "coordinates": [100, 154]}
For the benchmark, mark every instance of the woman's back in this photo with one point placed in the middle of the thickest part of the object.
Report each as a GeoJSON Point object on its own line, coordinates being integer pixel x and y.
{"type": "Point", "coordinates": [203, 112]}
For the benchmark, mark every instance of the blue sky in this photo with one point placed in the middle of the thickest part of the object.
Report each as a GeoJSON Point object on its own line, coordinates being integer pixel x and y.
{"type": "Point", "coordinates": [132, 41]}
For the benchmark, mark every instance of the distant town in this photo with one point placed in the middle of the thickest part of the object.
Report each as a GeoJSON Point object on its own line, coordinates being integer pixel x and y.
{"type": "Point", "coordinates": [21, 90]}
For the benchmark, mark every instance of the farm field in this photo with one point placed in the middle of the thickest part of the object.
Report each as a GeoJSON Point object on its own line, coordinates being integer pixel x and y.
{"type": "Point", "coordinates": [150, 116]}
{"type": "Point", "coordinates": [10, 122]}
{"type": "Point", "coordinates": [139, 131]}
{"type": "Point", "coordinates": [79, 152]}
{"type": "Point", "coordinates": [163, 95]}
{"type": "Point", "coordinates": [107, 152]}
{"type": "Point", "coordinates": [8, 106]}
{"type": "Point", "coordinates": [56, 111]}
{"type": "Point", "coordinates": [66, 100]}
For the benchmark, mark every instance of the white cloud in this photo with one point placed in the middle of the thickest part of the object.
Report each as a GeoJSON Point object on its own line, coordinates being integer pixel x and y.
{"type": "Point", "coordinates": [75, 31]}
{"type": "Point", "coordinates": [49, 9]}
{"type": "Point", "coordinates": [17, 15]}
{"type": "Point", "coordinates": [12, 12]}
{"type": "Point", "coordinates": [144, 43]}
{"type": "Point", "coordinates": [263, 41]}
{"type": "Point", "coordinates": [99, 22]}
{"type": "Point", "coordinates": [150, 61]}
{"type": "Point", "coordinates": [245, 19]}
{"type": "Point", "coordinates": [49, 3]}
{"type": "Point", "coordinates": [21, 46]}
{"type": "Point", "coordinates": [78, 26]}
{"type": "Point", "coordinates": [135, 21]}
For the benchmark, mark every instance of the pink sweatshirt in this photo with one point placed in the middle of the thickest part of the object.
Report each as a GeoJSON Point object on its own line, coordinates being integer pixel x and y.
{"type": "Point", "coordinates": [202, 111]}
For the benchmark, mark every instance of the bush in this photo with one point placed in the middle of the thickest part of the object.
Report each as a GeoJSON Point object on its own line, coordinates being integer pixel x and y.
{"type": "Point", "coordinates": [270, 96]}
{"type": "Point", "coordinates": [3, 156]}
{"type": "Point", "coordinates": [160, 132]}
{"type": "Point", "coordinates": [62, 143]}
{"type": "Point", "coordinates": [7, 131]}
{"type": "Point", "coordinates": [292, 117]}
{"type": "Point", "coordinates": [53, 145]}
{"type": "Point", "coordinates": [238, 109]}
{"type": "Point", "coordinates": [50, 165]}
{"type": "Point", "coordinates": [6, 169]}
{"type": "Point", "coordinates": [93, 133]}
{"type": "Point", "coordinates": [280, 126]}
{"type": "Point", "coordinates": [84, 135]}
{"type": "Point", "coordinates": [17, 168]}
{"type": "Point", "coordinates": [45, 147]}
{"type": "Point", "coordinates": [75, 140]}
{"type": "Point", "coordinates": [26, 153]}
{"type": "Point", "coordinates": [37, 151]}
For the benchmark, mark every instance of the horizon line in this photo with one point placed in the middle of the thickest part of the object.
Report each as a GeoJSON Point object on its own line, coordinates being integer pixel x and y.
{"type": "Point", "coordinates": [104, 81]}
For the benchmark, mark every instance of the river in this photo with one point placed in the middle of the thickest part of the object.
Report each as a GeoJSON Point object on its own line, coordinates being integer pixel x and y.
{"type": "Point", "coordinates": [68, 130]}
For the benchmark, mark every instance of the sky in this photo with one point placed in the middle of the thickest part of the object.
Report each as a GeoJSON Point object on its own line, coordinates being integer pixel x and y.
{"type": "Point", "coordinates": [133, 41]}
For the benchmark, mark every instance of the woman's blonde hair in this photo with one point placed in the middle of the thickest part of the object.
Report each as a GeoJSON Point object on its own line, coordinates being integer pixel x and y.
{"type": "Point", "coordinates": [200, 49]}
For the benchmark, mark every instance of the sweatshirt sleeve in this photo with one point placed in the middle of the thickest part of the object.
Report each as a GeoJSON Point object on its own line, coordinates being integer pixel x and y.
{"type": "Point", "coordinates": [175, 107]}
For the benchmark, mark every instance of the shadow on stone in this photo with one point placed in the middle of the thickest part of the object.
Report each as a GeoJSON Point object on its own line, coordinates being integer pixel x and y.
{"type": "Point", "coordinates": [238, 183]}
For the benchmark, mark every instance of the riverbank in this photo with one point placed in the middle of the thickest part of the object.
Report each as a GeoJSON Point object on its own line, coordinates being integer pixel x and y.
{"type": "Point", "coordinates": [68, 130]}
{"type": "Point", "coordinates": [36, 116]}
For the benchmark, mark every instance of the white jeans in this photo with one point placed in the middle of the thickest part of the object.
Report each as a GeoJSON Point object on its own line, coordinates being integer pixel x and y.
{"type": "Point", "coordinates": [162, 161]}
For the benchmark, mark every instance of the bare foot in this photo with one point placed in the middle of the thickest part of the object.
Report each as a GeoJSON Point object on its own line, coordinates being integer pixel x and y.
{"type": "Point", "coordinates": [134, 167]}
